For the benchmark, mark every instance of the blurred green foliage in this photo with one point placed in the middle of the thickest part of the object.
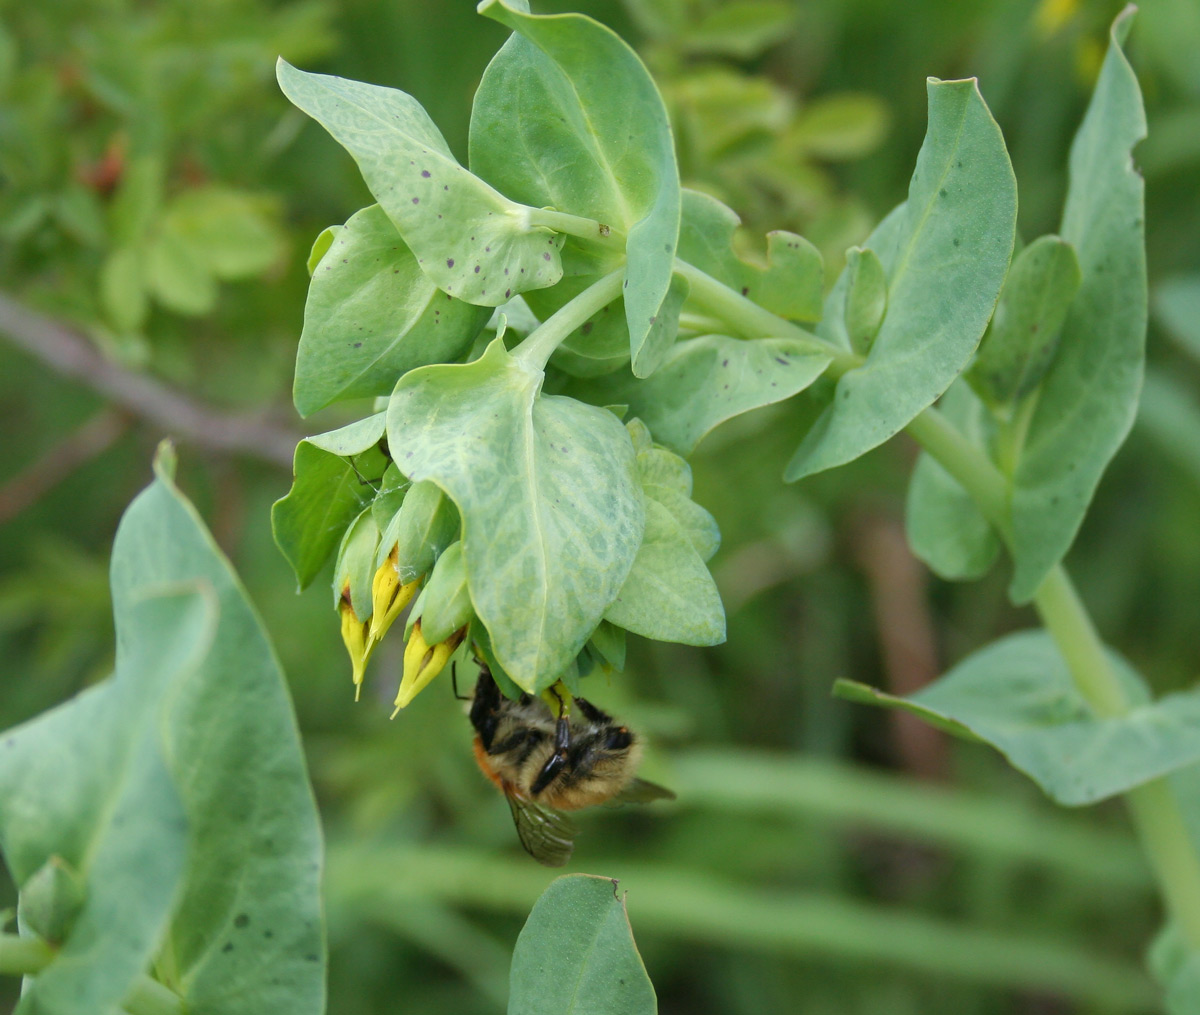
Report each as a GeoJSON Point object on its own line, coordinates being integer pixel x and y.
{"type": "Point", "coordinates": [156, 192]}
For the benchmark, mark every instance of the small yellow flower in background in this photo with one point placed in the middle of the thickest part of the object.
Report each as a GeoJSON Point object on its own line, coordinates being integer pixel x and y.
{"type": "Point", "coordinates": [423, 662]}
{"type": "Point", "coordinates": [354, 634]}
{"type": "Point", "coordinates": [388, 598]}
{"type": "Point", "coordinates": [1051, 15]}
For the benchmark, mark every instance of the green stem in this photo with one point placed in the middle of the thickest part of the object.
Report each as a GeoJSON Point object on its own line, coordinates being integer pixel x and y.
{"type": "Point", "coordinates": [750, 320]}
{"type": "Point", "coordinates": [23, 956]}
{"type": "Point", "coordinates": [1155, 811]}
{"type": "Point", "coordinates": [577, 225]}
{"type": "Point", "coordinates": [28, 956]}
{"type": "Point", "coordinates": [543, 340]}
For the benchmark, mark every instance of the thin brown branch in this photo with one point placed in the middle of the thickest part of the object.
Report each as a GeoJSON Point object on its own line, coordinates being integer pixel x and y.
{"type": "Point", "coordinates": [70, 354]}
{"type": "Point", "coordinates": [81, 445]}
{"type": "Point", "coordinates": [897, 585]}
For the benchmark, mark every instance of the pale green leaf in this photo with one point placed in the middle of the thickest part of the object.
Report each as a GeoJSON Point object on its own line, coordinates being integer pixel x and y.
{"type": "Point", "coordinates": [123, 289]}
{"type": "Point", "coordinates": [945, 251]}
{"type": "Point", "coordinates": [576, 955]}
{"type": "Point", "coordinates": [1018, 695]}
{"type": "Point", "coordinates": [842, 126]}
{"type": "Point", "coordinates": [567, 116]}
{"type": "Point", "coordinates": [446, 602]}
{"type": "Point", "coordinates": [234, 234]}
{"type": "Point", "coordinates": [177, 276]}
{"type": "Point", "coordinates": [235, 754]}
{"type": "Point", "coordinates": [372, 315]}
{"type": "Point", "coordinates": [469, 239]}
{"type": "Point", "coordinates": [789, 285]}
{"type": "Point", "coordinates": [1089, 397]}
{"type": "Point", "coordinates": [548, 494]}
{"type": "Point", "coordinates": [354, 569]}
{"type": "Point", "coordinates": [705, 381]}
{"type": "Point", "coordinates": [669, 595]}
{"type": "Point", "coordinates": [420, 532]}
{"type": "Point", "coordinates": [330, 488]}
{"type": "Point", "coordinates": [1020, 343]}
{"type": "Point", "coordinates": [866, 298]}
{"type": "Point", "coordinates": [741, 28]}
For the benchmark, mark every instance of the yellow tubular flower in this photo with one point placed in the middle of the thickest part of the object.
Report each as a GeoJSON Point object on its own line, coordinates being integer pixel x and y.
{"type": "Point", "coordinates": [354, 634]}
{"type": "Point", "coordinates": [388, 598]}
{"type": "Point", "coordinates": [423, 662]}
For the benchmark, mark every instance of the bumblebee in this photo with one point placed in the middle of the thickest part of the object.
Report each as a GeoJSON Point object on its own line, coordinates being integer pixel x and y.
{"type": "Point", "coordinates": [546, 764]}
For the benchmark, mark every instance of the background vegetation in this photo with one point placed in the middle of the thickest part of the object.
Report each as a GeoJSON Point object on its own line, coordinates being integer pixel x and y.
{"type": "Point", "coordinates": [157, 200]}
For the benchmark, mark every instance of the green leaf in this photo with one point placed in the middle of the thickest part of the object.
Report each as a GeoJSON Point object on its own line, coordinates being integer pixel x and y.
{"type": "Point", "coordinates": [421, 531]}
{"type": "Point", "coordinates": [235, 234]}
{"type": "Point", "coordinates": [372, 315]}
{"type": "Point", "coordinates": [470, 240]}
{"type": "Point", "coordinates": [566, 116]}
{"type": "Point", "coordinates": [576, 954]}
{"type": "Point", "coordinates": [447, 603]}
{"type": "Point", "coordinates": [154, 785]}
{"type": "Point", "coordinates": [843, 126]}
{"type": "Point", "coordinates": [355, 568]}
{"type": "Point", "coordinates": [89, 783]}
{"type": "Point", "coordinates": [740, 29]}
{"type": "Point", "coordinates": [866, 298]}
{"type": "Point", "coordinates": [705, 381]}
{"type": "Point", "coordinates": [327, 494]}
{"type": "Point", "coordinates": [1177, 967]}
{"type": "Point", "coordinates": [123, 289]}
{"type": "Point", "coordinates": [320, 246]}
{"type": "Point", "coordinates": [178, 277]}
{"type": "Point", "coordinates": [945, 251]}
{"type": "Point", "coordinates": [944, 527]}
{"type": "Point", "coordinates": [609, 641]}
{"type": "Point", "coordinates": [1020, 343]}
{"type": "Point", "coordinates": [669, 595]}
{"type": "Point", "coordinates": [548, 494]}
{"type": "Point", "coordinates": [790, 285]}
{"type": "Point", "coordinates": [1089, 397]}
{"type": "Point", "coordinates": [235, 754]}
{"type": "Point", "coordinates": [1017, 695]}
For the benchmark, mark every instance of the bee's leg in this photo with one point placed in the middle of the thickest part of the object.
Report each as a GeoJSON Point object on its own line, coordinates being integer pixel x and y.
{"type": "Point", "coordinates": [454, 683]}
{"type": "Point", "coordinates": [560, 697]}
{"type": "Point", "coordinates": [557, 760]}
{"type": "Point", "coordinates": [591, 712]}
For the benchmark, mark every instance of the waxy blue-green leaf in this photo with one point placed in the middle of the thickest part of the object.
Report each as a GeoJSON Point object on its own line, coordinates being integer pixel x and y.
{"type": "Point", "coordinates": [154, 785]}
{"type": "Point", "coordinates": [576, 955]}
{"type": "Point", "coordinates": [669, 595]}
{"type": "Point", "coordinates": [424, 527]}
{"type": "Point", "coordinates": [446, 601]}
{"type": "Point", "coordinates": [1018, 695]}
{"type": "Point", "coordinates": [566, 116]}
{"type": "Point", "coordinates": [89, 782]}
{"type": "Point", "coordinates": [705, 381]}
{"type": "Point", "coordinates": [945, 251]}
{"type": "Point", "coordinates": [944, 527]}
{"type": "Point", "coordinates": [790, 285]}
{"type": "Point", "coordinates": [1089, 397]}
{"type": "Point", "coordinates": [1019, 345]}
{"type": "Point", "coordinates": [472, 241]}
{"type": "Point", "coordinates": [234, 752]}
{"type": "Point", "coordinates": [354, 568]}
{"type": "Point", "coordinates": [609, 642]}
{"type": "Point", "coordinates": [329, 489]}
{"type": "Point", "coordinates": [866, 297]}
{"type": "Point", "coordinates": [1176, 965]}
{"type": "Point", "coordinates": [372, 314]}
{"type": "Point", "coordinates": [548, 493]}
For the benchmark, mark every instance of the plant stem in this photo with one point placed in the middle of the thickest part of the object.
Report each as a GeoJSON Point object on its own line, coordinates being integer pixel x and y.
{"type": "Point", "coordinates": [21, 956]}
{"type": "Point", "coordinates": [28, 956]}
{"type": "Point", "coordinates": [1153, 807]}
{"type": "Point", "coordinates": [577, 225]}
{"type": "Point", "coordinates": [750, 320]}
{"type": "Point", "coordinates": [543, 340]}
{"type": "Point", "coordinates": [1154, 810]}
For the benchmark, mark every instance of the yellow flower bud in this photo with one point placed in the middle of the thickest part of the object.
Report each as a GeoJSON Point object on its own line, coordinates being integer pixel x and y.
{"type": "Point", "coordinates": [354, 634]}
{"type": "Point", "coordinates": [388, 598]}
{"type": "Point", "coordinates": [423, 662]}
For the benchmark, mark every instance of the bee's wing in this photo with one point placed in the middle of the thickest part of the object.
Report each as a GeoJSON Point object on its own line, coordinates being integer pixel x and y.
{"type": "Point", "coordinates": [547, 835]}
{"type": "Point", "coordinates": [642, 792]}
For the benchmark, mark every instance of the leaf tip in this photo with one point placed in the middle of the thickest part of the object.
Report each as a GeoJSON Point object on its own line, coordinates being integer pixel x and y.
{"type": "Point", "coordinates": [165, 461]}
